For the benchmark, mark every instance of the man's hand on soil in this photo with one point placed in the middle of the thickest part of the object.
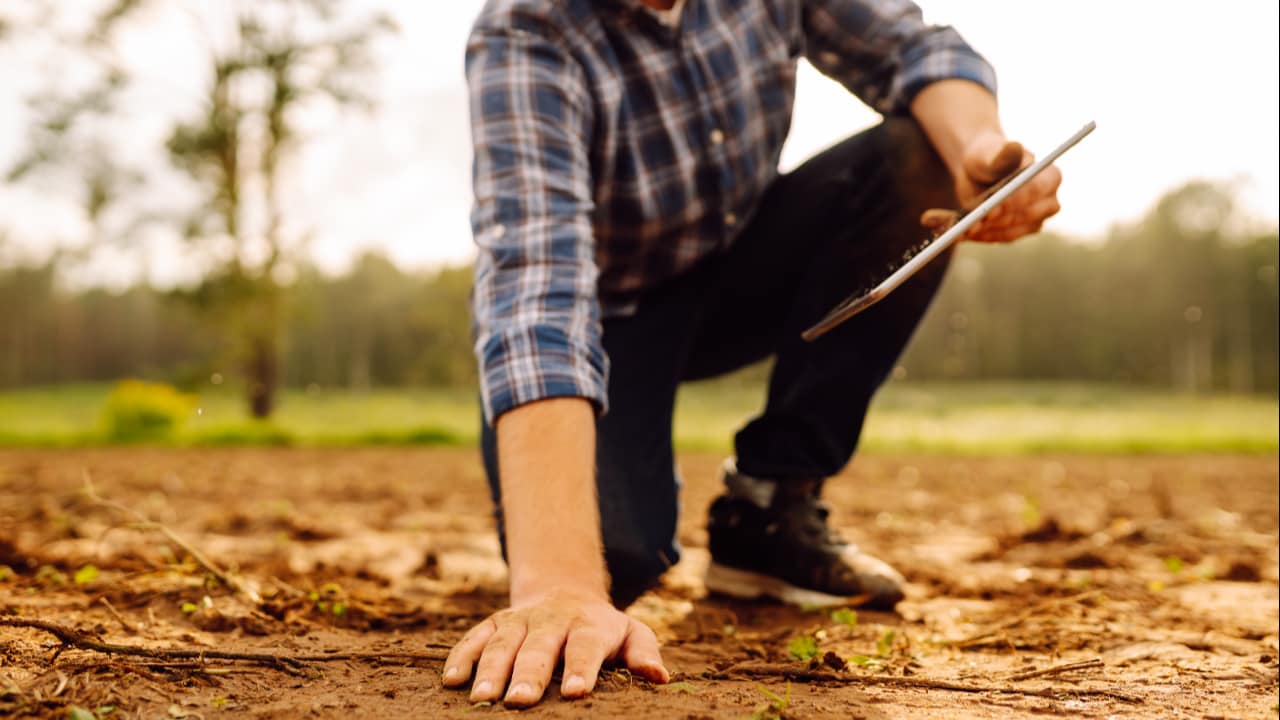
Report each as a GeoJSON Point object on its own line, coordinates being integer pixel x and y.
{"type": "Point", "coordinates": [988, 158]}
{"type": "Point", "coordinates": [522, 645]}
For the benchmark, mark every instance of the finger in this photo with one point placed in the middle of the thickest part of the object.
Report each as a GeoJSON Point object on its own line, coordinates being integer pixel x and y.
{"type": "Point", "coordinates": [496, 660]}
{"type": "Point", "coordinates": [585, 650]}
{"type": "Point", "coordinates": [1041, 186]}
{"type": "Point", "coordinates": [938, 220]}
{"type": "Point", "coordinates": [1010, 158]}
{"type": "Point", "coordinates": [1007, 235]}
{"type": "Point", "coordinates": [534, 663]}
{"type": "Point", "coordinates": [1005, 160]}
{"type": "Point", "coordinates": [1036, 202]}
{"type": "Point", "coordinates": [1042, 209]}
{"type": "Point", "coordinates": [1033, 214]}
{"type": "Point", "coordinates": [640, 653]}
{"type": "Point", "coordinates": [457, 667]}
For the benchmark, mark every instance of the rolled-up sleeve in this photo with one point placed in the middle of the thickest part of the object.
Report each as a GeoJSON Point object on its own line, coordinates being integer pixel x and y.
{"type": "Point", "coordinates": [535, 306]}
{"type": "Point", "coordinates": [884, 52]}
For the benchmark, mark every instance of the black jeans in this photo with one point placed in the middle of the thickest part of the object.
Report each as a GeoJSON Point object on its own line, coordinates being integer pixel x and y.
{"type": "Point", "coordinates": [818, 233]}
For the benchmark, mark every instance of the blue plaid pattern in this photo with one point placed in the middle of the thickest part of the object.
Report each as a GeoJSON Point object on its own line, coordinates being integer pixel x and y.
{"type": "Point", "coordinates": [613, 151]}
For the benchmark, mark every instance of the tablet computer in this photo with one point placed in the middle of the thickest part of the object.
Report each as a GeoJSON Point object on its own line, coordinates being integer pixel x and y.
{"type": "Point", "coordinates": [919, 255]}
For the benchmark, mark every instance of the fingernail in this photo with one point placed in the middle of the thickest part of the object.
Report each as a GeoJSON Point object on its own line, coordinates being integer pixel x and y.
{"type": "Point", "coordinates": [574, 685]}
{"type": "Point", "coordinates": [482, 691]}
{"type": "Point", "coordinates": [521, 691]}
{"type": "Point", "coordinates": [450, 674]}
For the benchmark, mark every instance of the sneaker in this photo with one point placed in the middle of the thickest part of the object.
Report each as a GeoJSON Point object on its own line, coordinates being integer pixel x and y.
{"type": "Point", "coordinates": [771, 539]}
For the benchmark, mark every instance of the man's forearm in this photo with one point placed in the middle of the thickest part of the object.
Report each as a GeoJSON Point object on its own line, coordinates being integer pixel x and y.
{"type": "Point", "coordinates": [954, 113]}
{"type": "Point", "coordinates": [546, 461]}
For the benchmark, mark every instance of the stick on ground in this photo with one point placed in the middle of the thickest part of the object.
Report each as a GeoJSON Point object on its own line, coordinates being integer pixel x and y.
{"type": "Point", "coordinates": [1056, 669]}
{"type": "Point", "coordinates": [71, 637]}
{"type": "Point", "coordinates": [147, 523]}
{"type": "Point", "coordinates": [802, 674]}
{"type": "Point", "coordinates": [987, 633]}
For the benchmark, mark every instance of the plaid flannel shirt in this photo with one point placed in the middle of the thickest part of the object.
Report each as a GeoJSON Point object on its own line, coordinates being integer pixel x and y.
{"type": "Point", "coordinates": [613, 151]}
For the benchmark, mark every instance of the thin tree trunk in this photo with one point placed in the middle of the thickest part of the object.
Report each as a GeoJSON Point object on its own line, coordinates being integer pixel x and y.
{"type": "Point", "coordinates": [262, 373]}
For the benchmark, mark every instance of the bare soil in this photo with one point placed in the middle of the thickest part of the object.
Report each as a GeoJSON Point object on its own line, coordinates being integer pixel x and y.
{"type": "Point", "coordinates": [1155, 576]}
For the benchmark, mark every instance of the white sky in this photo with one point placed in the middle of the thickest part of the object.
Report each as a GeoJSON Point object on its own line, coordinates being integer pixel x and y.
{"type": "Point", "coordinates": [1180, 90]}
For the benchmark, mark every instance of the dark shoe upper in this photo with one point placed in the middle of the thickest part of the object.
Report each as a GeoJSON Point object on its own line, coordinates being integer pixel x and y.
{"type": "Point", "coordinates": [781, 530]}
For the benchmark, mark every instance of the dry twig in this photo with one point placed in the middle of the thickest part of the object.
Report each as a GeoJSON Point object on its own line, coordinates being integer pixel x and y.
{"type": "Point", "coordinates": [1056, 669]}
{"type": "Point", "coordinates": [293, 664]}
{"type": "Point", "coordinates": [983, 635]}
{"type": "Point", "coordinates": [146, 523]}
{"type": "Point", "coordinates": [116, 614]}
{"type": "Point", "coordinates": [802, 674]}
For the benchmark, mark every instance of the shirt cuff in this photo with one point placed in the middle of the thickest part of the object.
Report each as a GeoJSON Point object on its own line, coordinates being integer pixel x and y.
{"type": "Point", "coordinates": [953, 61]}
{"type": "Point", "coordinates": [524, 364]}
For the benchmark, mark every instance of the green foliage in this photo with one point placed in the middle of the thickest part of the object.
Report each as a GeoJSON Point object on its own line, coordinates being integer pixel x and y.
{"type": "Point", "coordinates": [981, 418]}
{"type": "Point", "coordinates": [234, 151]}
{"type": "Point", "coordinates": [776, 705]}
{"type": "Point", "coordinates": [845, 616]}
{"type": "Point", "coordinates": [50, 575]}
{"type": "Point", "coordinates": [885, 644]}
{"type": "Point", "coordinates": [684, 687]}
{"type": "Point", "coordinates": [85, 575]}
{"type": "Point", "coordinates": [803, 647]}
{"type": "Point", "coordinates": [139, 411]}
{"type": "Point", "coordinates": [251, 433]}
{"type": "Point", "coordinates": [1186, 298]}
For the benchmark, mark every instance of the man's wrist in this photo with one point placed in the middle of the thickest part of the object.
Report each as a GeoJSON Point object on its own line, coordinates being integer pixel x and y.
{"type": "Point", "coordinates": [956, 114]}
{"type": "Point", "coordinates": [535, 589]}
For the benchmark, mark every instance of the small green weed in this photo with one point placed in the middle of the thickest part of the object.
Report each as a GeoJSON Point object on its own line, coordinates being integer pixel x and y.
{"type": "Point", "coordinates": [50, 575]}
{"type": "Point", "coordinates": [776, 705]}
{"type": "Point", "coordinates": [866, 662]}
{"type": "Point", "coordinates": [85, 575]}
{"type": "Point", "coordinates": [885, 644]}
{"type": "Point", "coordinates": [803, 648]}
{"type": "Point", "coordinates": [845, 616]}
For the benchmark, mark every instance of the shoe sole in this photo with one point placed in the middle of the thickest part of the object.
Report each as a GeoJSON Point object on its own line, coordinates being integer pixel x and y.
{"type": "Point", "coordinates": [747, 585]}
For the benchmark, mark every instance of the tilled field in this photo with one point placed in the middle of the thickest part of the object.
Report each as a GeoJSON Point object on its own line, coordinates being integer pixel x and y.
{"type": "Point", "coordinates": [330, 583]}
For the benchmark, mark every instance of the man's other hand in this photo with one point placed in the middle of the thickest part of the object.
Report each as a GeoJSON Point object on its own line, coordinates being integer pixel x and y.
{"type": "Point", "coordinates": [523, 644]}
{"type": "Point", "coordinates": [990, 157]}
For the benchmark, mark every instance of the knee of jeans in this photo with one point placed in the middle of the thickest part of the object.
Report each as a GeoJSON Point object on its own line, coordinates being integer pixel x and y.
{"type": "Point", "coordinates": [914, 163]}
{"type": "Point", "coordinates": [633, 570]}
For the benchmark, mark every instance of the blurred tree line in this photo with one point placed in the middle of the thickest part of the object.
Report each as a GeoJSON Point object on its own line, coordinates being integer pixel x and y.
{"type": "Point", "coordinates": [374, 325]}
{"type": "Point", "coordinates": [1181, 300]}
{"type": "Point", "coordinates": [1186, 298]}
